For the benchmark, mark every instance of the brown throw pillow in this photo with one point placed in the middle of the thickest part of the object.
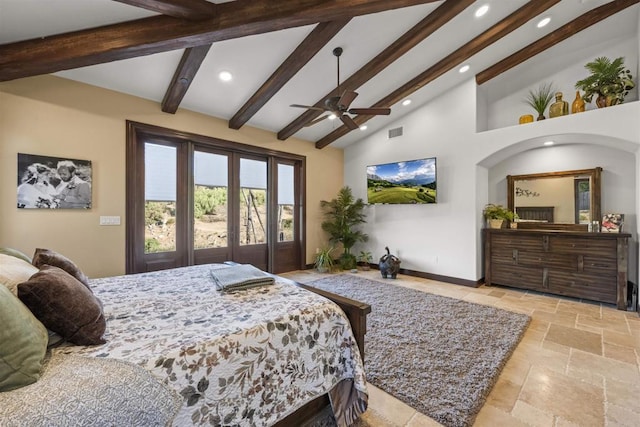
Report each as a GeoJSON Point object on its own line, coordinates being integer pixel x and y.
{"type": "Point", "coordinates": [49, 257]}
{"type": "Point", "coordinates": [64, 305]}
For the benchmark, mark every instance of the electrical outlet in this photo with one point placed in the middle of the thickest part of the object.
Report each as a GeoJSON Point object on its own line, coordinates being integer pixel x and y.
{"type": "Point", "coordinates": [109, 220]}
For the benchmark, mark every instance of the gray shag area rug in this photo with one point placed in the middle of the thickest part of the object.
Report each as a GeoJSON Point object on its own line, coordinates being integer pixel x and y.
{"type": "Point", "coordinates": [439, 355]}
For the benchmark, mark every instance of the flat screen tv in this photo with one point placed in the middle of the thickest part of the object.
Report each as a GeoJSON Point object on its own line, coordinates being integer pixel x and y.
{"type": "Point", "coordinates": [410, 182]}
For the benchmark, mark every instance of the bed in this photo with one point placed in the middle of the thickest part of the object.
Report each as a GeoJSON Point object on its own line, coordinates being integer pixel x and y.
{"type": "Point", "coordinates": [269, 355]}
{"type": "Point", "coordinates": [535, 213]}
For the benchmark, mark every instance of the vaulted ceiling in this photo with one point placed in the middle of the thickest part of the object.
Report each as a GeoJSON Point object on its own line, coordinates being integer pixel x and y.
{"type": "Point", "coordinates": [280, 52]}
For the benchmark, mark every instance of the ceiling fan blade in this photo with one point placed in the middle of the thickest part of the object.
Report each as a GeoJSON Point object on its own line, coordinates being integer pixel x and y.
{"type": "Point", "coordinates": [370, 111]}
{"type": "Point", "coordinates": [308, 107]}
{"type": "Point", "coordinates": [347, 98]}
{"type": "Point", "coordinates": [348, 122]}
{"type": "Point", "coordinates": [318, 120]}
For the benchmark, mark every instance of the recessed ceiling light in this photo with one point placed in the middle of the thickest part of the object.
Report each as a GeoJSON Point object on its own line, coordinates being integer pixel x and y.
{"type": "Point", "coordinates": [225, 76]}
{"type": "Point", "coordinates": [547, 143]}
{"type": "Point", "coordinates": [332, 116]}
{"type": "Point", "coordinates": [406, 102]}
{"type": "Point", "coordinates": [482, 10]}
{"type": "Point", "coordinates": [543, 22]}
{"type": "Point", "coordinates": [464, 69]}
{"type": "Point", "coordinates": [363, 127]}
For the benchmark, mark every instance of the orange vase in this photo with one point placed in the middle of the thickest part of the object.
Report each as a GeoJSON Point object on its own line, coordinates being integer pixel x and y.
{"type": "Point", "coordinates": [527, 118]}
{"type": "Point", "coordinates": [578, 104]}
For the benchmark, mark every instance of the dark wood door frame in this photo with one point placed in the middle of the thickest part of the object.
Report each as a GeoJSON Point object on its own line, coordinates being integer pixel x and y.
{"type": "Point", "coordinates": [138, 133]}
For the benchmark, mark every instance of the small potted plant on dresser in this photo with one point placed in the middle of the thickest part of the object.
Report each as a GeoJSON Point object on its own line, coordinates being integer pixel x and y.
{"type": "Point", "coordinates": [497, 214]}
{"type": "Point", "coordinates": [512, 217]}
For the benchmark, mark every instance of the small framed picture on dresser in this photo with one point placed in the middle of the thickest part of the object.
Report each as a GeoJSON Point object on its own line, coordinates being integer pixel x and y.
{"type": "Point", "coordinates": [612, 223]}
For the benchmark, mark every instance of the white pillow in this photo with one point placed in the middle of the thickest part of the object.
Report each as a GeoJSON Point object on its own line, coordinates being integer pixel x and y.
{"type": "Point", "coordinates": [14, 271]}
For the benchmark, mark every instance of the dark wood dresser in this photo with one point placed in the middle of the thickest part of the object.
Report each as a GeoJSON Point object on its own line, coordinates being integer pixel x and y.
{"type": "Point", "coordinates": [577, 264]}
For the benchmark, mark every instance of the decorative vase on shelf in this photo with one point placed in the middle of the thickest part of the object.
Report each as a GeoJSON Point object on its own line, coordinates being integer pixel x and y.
{"type": "Point", "coordinates": [578, 104]}
{"type": "Point", "coordinates": [526, 118]}
{"type": "Point", "coordinates": [540, 117]}
{"type": "Point", "coordinates": [602, 101]}
{"type": "Point", "coordinates": [559, 108]}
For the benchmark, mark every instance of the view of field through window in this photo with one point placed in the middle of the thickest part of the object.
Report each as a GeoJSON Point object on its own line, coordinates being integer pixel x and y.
{"type": "Point", "coordinates": [210, 220]}
{"type": "Point", "coordinates": [210, 195]}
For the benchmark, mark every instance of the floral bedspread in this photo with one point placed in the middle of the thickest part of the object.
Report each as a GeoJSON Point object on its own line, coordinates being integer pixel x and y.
{"type": "Point", "coordinates": [248, 358]}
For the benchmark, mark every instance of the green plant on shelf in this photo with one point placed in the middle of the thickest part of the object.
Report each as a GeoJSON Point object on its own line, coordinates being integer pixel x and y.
{"type": "Point", "coordinates": [540, 98]}
{"type": "Point", "coordinates": [609, 80]}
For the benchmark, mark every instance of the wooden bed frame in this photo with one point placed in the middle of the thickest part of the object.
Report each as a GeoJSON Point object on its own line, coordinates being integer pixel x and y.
{"type": "Point", "coordinates": [356, 312]}
{"type": "Point", "coordinates": [537, 213]}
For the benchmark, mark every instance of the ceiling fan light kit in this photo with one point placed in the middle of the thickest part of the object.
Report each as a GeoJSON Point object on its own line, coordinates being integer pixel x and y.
{"type": "Point", "coordinates": [339, 105]}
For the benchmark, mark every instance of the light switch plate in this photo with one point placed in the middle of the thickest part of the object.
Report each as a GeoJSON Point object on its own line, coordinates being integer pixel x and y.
{"type": "Point", "coordinates": [109, 220]}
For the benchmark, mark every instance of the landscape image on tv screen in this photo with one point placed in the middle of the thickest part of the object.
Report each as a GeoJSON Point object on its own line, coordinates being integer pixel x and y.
{"type": "Point", "coordinates": [411, 182]}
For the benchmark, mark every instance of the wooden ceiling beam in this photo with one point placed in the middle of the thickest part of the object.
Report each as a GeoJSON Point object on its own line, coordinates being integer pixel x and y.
{"type": "Point", "coordinates": [583, 22]}
{"type": "Point", "coordinates": [192, 57]}
{"type": "Point", "coordinates": [443, 14]}
{"type": "Point", "coordinates": [186, 9]}
{"type": "Point", "coordinates": [306, 50]}
{"type": "Point", "coordinates": [189, 65]}
{"type": "Point", "coordinates": [484, 40]}
{"type": "Point", "coordinates": [163, 33]}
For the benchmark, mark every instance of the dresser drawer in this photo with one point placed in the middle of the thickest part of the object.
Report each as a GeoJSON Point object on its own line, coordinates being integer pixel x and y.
{"type": "Point", "coordinates": [516, 276]}
{"type": "Point", "coordinates": [502, 255]}
{"type": "Point", "coordinates": [582, 245]}
{"type": "Point", "coordinates": [581, 285]}
{"type": "Point", "coordinates": [600, 265]}
{"type": "Point", "coordinates": [515, 241]}
{"type": "Point", "coordinates": [570, 262]}
{"type": "Point", "coordinates": [527, 258]}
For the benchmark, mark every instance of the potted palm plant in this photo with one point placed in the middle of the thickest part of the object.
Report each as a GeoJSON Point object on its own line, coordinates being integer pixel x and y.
{"type": "Point", "coordinates": [609, 80]}
{"type": "Point", "coordinates": [540, 99]}
{"type": "Point", "coordinates": [342, 215]}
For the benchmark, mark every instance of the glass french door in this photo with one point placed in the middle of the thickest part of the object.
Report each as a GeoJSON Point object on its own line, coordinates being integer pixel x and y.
{"type": "Point", "coordinates": [195, 203]}
{"type": "Point", "coordinates": [230, 209]}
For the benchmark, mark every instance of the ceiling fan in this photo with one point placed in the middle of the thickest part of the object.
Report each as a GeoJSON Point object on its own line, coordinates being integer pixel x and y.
{"type": "Point", "coordinates": [339, 105]}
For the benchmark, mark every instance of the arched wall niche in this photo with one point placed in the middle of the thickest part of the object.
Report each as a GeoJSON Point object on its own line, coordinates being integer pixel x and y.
{"type": "Point", "coordinates": [617, 157]}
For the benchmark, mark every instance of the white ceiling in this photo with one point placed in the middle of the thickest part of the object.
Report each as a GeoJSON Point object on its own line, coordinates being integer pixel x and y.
{"type": "Point", "coordinates": [253, 59]}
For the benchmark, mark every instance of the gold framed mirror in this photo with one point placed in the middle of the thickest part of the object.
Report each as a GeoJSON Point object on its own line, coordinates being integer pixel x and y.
{"type": "Point", "coordinates": [564, 200]}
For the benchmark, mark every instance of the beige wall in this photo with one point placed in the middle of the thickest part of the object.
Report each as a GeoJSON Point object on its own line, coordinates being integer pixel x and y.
{"type": "Point", "coordinates": [52, 116]}
{"type": "Point", "coordinates": [556, 192]}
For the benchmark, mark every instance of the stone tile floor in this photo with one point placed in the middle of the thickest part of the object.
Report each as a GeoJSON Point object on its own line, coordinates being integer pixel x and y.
{"type": "Point", "coordinates": [578, 363]}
